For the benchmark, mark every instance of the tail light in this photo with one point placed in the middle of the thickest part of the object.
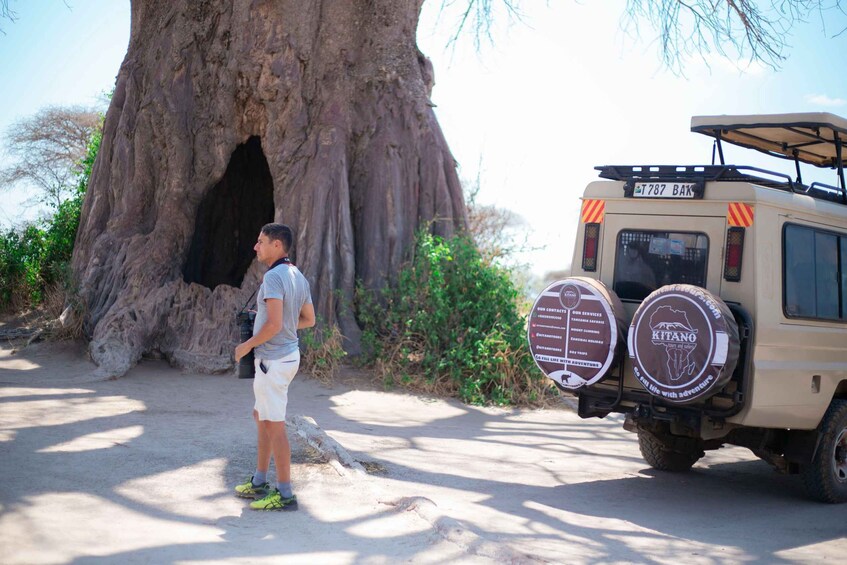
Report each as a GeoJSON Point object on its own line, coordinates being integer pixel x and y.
{"type": "Point", "coordinates": [734, 252]}
{"type": "Point", "coordinates": [589, 247]}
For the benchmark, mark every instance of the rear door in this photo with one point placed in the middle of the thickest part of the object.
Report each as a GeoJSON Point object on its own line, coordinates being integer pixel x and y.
{"type": "Point", "coordinates": [644, 252]}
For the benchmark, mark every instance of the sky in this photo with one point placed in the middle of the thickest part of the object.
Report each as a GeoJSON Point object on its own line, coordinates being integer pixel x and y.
{"type": "Point", "coordinates": [529, 115]}
{"type": "Point", "coordinates": [55, 53]}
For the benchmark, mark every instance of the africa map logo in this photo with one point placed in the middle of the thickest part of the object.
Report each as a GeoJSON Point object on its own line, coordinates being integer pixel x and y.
{"type": "Point", "coordinates": [671, 329]}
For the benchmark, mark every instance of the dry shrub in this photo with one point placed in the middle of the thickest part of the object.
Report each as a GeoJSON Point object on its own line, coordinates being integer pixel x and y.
{"type": "Point", "coordinates": [322, 352]}
{"type": "Point", "coordinates": [71, 326]}
{"type": "Point", "coordinates": [19, 299]}
{"type": "Point", "coordinates": [53, 301]}
{"type": "Point", "coordinates": [63, 312]}
{"type": "Point", "coordinates": [402, 364]}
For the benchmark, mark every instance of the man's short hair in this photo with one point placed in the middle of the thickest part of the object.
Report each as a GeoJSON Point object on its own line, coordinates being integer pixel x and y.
{"type": "Point", "coordinates": [279, 232]}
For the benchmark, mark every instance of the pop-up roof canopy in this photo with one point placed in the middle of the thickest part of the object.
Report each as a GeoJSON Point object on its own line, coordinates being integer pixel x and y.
{"type": "Point", "coordinates": [815, 137]}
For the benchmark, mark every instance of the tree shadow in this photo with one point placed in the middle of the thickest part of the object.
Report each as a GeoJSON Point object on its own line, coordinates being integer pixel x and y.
{"type": "Point", "coordinates": [543, 482]}
{"type": "Point", "coordinates": [729, 501]}
{"type": "Point", "coordinates": [186, 429]}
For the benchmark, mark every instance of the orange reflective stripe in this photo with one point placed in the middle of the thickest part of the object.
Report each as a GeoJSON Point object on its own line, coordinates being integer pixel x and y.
{"type": "Point", "coordinates": [592, 211]}
{"type": "Point", "coordinates": [739, 214]}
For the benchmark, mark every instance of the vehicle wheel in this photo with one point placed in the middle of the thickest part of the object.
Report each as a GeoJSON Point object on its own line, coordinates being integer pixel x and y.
{"type": "Point", "coordinates": [662, 457]}
{"type": "Point", "coordinates": [825, 477]}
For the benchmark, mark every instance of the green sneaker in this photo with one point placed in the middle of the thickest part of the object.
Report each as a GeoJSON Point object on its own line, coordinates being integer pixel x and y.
{"type": "Point", "coordinates": [275, 501]}
{"type": "Point", "coordinates": [249, 490]}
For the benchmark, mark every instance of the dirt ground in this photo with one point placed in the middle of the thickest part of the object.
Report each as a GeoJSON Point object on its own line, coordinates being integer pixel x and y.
{"type": "Point", "coordinates": [140, 470]}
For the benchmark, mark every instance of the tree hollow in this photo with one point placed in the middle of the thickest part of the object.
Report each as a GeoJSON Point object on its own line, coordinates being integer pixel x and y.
{"type": "Point", "coordinates": [229, 219]}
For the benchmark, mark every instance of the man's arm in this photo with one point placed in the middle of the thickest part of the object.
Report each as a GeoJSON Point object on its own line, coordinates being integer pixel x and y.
{"type": "Point", "coordinates": [270, 328]}
{"type": "Point", "coordinates": [307, 316]}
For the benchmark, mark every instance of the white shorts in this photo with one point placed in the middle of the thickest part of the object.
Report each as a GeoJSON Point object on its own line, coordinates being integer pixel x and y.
{"type": "Point", "coordinates": [271, 388]}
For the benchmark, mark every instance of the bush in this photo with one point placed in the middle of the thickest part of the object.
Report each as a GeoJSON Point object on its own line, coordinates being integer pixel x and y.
{"type": "Point", "coordinates": [21, 257]}
{"type": "Point", "coordinates": [452, 324]}
{"type": "Point", "coordinates": [322, 352]}
{"type": "Point", "coordinates": [35, 259]}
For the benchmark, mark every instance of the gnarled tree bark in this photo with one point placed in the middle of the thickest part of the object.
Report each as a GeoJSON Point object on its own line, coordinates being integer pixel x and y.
{"type": "Point", "coordinates": [227, 115]}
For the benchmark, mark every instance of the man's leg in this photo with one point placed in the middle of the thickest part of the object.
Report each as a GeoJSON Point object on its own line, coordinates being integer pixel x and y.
{"type": "Point", "coordinates": [278, 439]}
{"type": "Point", "coordinates": [263, 452]}
{"type": "Point", "coordinates": [257, 484]}
{"type": "Point", "coordinates": [280, 498]}
{"type": "Point", "coordinates": [280, 376]}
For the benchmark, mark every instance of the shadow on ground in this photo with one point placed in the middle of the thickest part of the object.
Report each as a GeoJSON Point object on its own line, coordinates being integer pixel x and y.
{"type": "Point", "coordinates": [140, 470]}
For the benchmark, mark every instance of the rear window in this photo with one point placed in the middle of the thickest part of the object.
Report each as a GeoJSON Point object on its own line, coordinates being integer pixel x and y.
{"type": "Point", "coordinates": [646, 260]}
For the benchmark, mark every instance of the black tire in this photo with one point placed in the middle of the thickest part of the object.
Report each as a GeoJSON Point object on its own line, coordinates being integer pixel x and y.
{"type": "Point", "coordinates": [660, 456]}
{"type": "Point", "coordinates": [825, 478]}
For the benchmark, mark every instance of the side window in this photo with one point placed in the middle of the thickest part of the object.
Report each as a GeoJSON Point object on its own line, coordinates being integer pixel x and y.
{"type": "Point", "coordinates": [843, 270]}
{"type": "Point", "coordinates": [811, 273]}
{"type": "Point", "coordinates": [826, 276]}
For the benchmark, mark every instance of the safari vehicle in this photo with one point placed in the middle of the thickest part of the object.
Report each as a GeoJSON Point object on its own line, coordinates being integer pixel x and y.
{"type": "Point", "coordinates": [709, 303]}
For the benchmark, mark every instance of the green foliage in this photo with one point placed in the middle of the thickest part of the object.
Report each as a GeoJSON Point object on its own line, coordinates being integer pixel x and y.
{"type": "Point", "coordinates": [21, 254]}
{"type": "Point", "coordinates": [36, 257]}
{"type": "Point", "coordinates": [452, 323]}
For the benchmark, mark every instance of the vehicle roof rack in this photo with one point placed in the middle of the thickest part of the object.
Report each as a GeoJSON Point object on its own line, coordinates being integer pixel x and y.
{"type": "Point", "coordinates": [700, 174]}
{"type": "Point", "coordinates": [695, 173]}
{"type": "Point", "coordinates": [815, 138]}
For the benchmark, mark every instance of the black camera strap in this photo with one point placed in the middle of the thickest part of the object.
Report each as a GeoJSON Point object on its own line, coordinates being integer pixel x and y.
{"type": "Point", "coordinates": [277, 263]}
{"type": "Point", "coordinates": [248, 300]}
{"type": "Point", "coordinates": [281, 261]}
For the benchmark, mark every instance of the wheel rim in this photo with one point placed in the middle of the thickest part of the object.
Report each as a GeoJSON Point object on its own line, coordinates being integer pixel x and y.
{"type": "Point", "coordinates": [839, 460]}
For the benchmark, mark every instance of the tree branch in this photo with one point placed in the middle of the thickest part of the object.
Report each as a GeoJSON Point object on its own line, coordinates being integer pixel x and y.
{"type": "Point", "coordinates": [757, 31]}
{"type": "Point", "coordinates": [48, 148]}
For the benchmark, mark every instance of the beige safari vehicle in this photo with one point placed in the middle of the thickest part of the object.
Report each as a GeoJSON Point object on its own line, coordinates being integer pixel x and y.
{"type": "Point", "coordinates": [709, 303]}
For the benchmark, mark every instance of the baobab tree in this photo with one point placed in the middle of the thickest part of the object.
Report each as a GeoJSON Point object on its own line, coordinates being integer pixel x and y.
{"type": "Point", "coordinates": [227, 115]}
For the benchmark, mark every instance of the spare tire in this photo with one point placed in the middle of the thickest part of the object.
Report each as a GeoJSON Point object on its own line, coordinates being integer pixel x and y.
{"type": "Point", "coordinates": [683, 343]}
{"type": "Point", "coordinates": [576, 331]}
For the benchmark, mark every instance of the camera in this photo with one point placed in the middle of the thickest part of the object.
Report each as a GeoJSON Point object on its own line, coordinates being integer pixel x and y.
{"type": "Point", "coordinates": [246, 367]}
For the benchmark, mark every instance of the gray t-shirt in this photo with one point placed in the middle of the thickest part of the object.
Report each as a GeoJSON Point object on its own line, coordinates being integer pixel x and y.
{"type": "Point", "coordinates": [284, 282]}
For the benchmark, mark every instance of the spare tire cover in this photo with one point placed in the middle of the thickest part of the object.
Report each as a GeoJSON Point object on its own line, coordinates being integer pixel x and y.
{"type": "Point", "coordinates": [576, 331]}
{"type": "Point", "coordinates": [683, 343]}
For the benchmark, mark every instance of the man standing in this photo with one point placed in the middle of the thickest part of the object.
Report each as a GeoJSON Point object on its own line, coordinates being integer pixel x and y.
{"type": "Point", "coordinates": [284, 305]}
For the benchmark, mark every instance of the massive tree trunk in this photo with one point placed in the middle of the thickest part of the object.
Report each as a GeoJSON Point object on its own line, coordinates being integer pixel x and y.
{"type": "Point", "coordinates": [228, 115]}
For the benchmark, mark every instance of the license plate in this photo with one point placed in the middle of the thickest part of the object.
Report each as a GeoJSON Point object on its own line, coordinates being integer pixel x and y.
{"type": "Point", "coordinates": [663, 190]}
